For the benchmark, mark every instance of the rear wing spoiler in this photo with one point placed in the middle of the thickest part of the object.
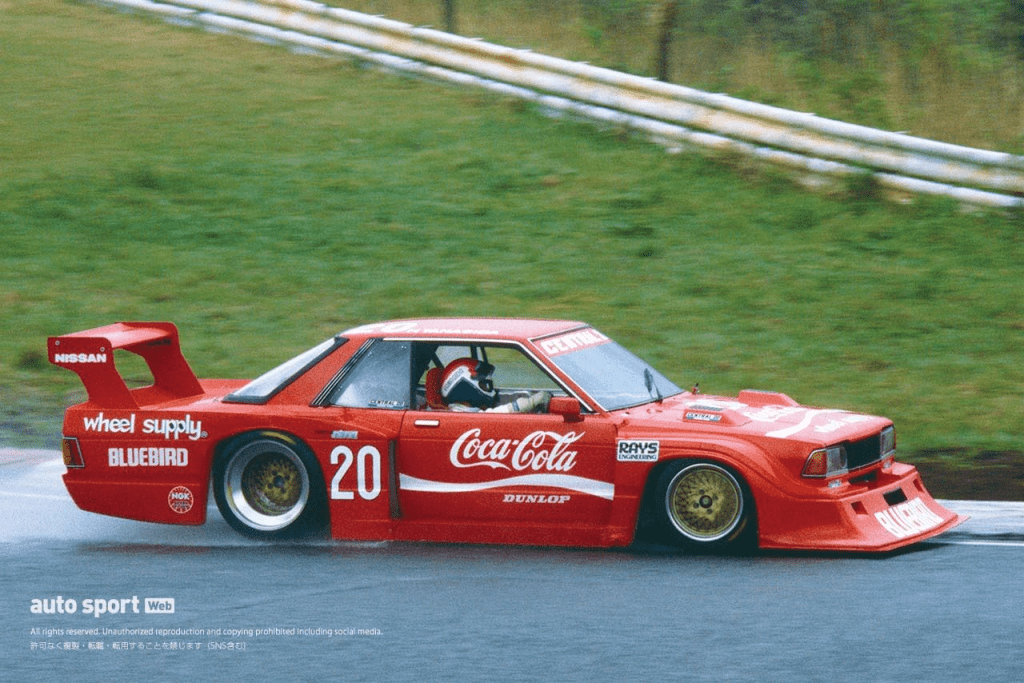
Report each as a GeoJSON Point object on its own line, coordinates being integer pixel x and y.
{"type": "Point", "coordinates": [90, 354]}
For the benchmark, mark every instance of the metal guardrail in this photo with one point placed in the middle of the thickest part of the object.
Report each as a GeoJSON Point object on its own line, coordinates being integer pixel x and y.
{"type": "Point", "coordinates": [672, 114]}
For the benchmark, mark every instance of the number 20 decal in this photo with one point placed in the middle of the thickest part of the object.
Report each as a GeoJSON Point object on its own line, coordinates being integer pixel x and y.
{"type": "Point", "coordinates": [345, 455]}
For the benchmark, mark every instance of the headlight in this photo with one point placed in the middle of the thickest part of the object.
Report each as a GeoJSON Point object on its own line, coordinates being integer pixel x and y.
{"type": "Point", "coordinates": [826, 462]}
{"type": "Point", "coordinates": [888, 436]}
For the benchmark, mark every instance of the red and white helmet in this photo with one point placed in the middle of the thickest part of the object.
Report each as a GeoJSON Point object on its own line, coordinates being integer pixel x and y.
{"type": "Point", "coordinates": [468, 381]}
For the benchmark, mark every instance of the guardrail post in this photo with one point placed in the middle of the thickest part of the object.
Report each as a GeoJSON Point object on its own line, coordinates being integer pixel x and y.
{"type": "Point", "coordinates": [669, 12]}
{"type": "Point", "coordinates": [448, 10]}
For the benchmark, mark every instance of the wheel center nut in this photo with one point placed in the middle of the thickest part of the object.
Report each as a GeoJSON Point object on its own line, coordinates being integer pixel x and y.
{"type": "Point", "coordinates": [706, 502]}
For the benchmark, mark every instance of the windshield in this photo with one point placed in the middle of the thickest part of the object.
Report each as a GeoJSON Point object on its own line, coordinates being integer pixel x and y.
{"type": "Point", "coordinates": [613, 376]}
{"type": "Point", "coordinates": [263, 388]}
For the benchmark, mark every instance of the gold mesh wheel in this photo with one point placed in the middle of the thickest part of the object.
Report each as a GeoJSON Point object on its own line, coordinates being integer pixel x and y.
{"type": "Point", "coordinates": [272, 484]}
{"type": "Point", "coordinates": [265, 485]}
{"type": "Point", "coordinates": [704, 502]}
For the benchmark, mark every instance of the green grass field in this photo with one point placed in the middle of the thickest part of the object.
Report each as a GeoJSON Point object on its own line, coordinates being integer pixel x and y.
{"type": "Point", "coordinates": [264, 200]}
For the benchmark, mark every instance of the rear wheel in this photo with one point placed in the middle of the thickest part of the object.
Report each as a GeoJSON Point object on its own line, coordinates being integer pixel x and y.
{"type": "Point", "coordinates": [268, 486]}
{"type": "Point", "coordinates": [705, 506]}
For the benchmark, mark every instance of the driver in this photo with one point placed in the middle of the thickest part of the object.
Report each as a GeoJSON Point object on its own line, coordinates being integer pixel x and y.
{"type": "Point", "coordinates": [466, 385]}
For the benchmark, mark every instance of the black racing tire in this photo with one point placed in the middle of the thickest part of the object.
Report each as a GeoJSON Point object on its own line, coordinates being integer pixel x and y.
{"type": "Point", "coordinates": [268, 486]}
{"type": "Point", "coordinates": [705, 506]}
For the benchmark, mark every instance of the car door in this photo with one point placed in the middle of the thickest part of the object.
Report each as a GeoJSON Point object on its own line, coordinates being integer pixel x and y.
{"type": "Point", "coordinates": [362, 411]}
{"type": "Point", "coordinates": [506, 468]}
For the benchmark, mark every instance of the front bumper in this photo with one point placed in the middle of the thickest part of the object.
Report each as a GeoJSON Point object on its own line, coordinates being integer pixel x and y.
{"type": "Point", "coordinates": [892, 511]}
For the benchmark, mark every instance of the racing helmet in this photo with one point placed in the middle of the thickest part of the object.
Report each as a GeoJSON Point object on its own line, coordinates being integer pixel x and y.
{"type": "Point", "coordinates": [468, 381]}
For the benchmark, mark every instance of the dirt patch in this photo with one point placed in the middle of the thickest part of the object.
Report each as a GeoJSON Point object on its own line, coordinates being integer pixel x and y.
{"type": "Point", "coordinates": [962, 474]}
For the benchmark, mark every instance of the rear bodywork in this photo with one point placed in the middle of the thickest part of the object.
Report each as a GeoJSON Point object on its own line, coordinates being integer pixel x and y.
{"type": "Point", "coordinates": [580, 474]}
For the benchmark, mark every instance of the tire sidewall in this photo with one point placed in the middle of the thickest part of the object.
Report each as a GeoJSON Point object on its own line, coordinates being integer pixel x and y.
{"type": "Point", "coordinates": [740, 538]}
{"type": "Point", "coordinates": [311, 520]}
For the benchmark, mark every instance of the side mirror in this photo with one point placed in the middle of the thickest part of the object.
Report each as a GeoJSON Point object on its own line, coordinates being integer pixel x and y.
{"type": "Point", "coordinates": [566, 406]}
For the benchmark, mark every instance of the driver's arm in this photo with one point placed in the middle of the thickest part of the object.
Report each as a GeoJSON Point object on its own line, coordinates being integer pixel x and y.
{"type": "Point", "coordinates": [534, 403]}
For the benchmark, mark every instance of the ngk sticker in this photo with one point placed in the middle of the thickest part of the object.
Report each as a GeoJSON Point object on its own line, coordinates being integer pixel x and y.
{"type": "Point", "coordinates": [180, 499]}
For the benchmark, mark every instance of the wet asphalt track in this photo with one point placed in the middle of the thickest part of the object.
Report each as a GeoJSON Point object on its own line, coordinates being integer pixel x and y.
{"type": "Point", "coordinates": [947, 610]}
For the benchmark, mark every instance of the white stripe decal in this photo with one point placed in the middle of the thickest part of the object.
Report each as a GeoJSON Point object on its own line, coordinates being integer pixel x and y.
{"type": "Point", "coordinates": [591, 487]}
{"type": "Point", "coordinates": [804, 424]}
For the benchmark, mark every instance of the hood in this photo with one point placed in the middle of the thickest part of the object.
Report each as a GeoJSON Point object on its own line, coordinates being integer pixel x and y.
{"type": "Point", "coordinates": [757, 413]}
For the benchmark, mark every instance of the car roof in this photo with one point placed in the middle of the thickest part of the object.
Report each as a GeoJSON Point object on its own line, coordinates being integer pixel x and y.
{"type": "Point", "coordinates": [469, 328]}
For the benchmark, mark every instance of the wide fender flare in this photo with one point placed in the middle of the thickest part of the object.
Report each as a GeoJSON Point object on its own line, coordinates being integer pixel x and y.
{"type": "Point", "coordinates": [758, 471]}
{"type": "Point", "coordinates": [225, 443]}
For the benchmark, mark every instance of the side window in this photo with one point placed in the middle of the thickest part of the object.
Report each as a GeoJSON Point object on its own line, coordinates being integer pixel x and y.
{"type": "Point", "coordinates": [515, 374]}
{"type": "Point", "coordinates": [380, 379]}
{"type": "Point", "coordinates": [515, 371]}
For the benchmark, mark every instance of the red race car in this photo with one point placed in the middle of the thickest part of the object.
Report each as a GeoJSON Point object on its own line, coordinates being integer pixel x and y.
{"type": "Point", "coordinates": [538, 432]}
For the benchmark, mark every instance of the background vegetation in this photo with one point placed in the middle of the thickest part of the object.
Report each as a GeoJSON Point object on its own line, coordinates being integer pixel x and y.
{"type": "Point", "coordinates": [264, 200]}
{"type": "Point", "coordinates": [950, 70]}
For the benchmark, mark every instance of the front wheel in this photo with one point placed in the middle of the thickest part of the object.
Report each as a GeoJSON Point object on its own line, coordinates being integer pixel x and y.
{"type": "Point", "coordinates": [705, 506]}
{"type": "Point", "coordinates": [268, 486]}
